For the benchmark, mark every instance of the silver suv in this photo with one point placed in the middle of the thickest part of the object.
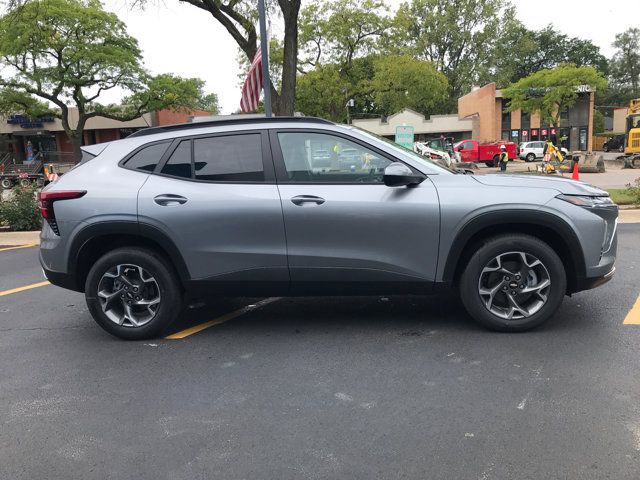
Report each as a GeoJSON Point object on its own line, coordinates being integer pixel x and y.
{"type": "Point", "coordinates": [237, 207]}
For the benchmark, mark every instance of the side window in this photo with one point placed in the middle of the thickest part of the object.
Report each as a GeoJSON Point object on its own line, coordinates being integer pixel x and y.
{"type": "Point", "coordinates": [323, 158]}
{"type": "Point", "coordinates": [147, 158]}
{"type": "Point", "coordinates": [467, 145]}
{"type": "Point", "coordinates": [233, 158]}
{"type": "Point", "coordinates": [179, 164]}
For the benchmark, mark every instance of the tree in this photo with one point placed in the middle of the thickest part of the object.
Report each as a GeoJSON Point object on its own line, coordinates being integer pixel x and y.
{"type": "Point", "coordinates": [458, 37]}
{"type": "Point", "coordinates": [380, 85]}
{"type": "Point", "coordinates": [337, 31]}
{"type": "Point", "coordinates": [552, 91]}
{"type": "Point", "coordinates": [403, 82]}
{"type": "Point", "coordinates": [239, 18]}
{"type": "Point", "coordinates": [323, 92]}
{"type": "Point", "coordinates": [67, 53]}
{"type": "Point", "coordinates": [209, 103]}
{"type": "Point", "coordinates": [625, 67]}
{"type": "Point", "coordinates": [522, 52]}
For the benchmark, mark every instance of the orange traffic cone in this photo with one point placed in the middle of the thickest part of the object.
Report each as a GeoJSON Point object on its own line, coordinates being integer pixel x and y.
{"type": "Point", "coordinates": [575, 175]}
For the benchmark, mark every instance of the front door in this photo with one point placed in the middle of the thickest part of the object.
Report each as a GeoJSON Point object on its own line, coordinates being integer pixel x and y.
{"type": "Point", "coordinates": [344, 227]}
{"type": "Point", "coordinates": [467, 152]}
{"type": "Point", "coordinates": [216, 198]}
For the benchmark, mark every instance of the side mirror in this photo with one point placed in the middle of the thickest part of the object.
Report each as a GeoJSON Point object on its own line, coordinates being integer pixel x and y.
{"type": "Point", "coordinates": [460, 148]}
{"type": "Point", "coordinates": [398, 174]}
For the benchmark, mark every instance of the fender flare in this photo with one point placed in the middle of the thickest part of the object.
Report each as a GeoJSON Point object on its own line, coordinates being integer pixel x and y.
{"type": "Point", "coordinates": [513, 216]}
{"type": "Point", "coordinates": [123, 227]}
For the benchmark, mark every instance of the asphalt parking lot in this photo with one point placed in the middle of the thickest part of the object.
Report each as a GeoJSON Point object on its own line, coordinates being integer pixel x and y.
{"type": "Point", "coordinates": [358, 388]}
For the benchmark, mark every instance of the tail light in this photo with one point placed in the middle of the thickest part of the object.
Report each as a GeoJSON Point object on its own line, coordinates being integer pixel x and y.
{"type": "Point", "coordinates": [46, 200]}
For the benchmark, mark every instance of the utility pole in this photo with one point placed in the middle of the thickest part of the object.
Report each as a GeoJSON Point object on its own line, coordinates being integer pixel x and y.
{"type": "Point", "coordinates": [264, 46]}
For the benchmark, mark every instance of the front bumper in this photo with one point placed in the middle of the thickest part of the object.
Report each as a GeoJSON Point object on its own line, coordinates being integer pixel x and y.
{"type": "Point", "coordinates": [594, 282]}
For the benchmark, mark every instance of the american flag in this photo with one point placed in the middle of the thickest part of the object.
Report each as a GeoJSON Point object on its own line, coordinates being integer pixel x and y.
{"type": "Point", "coordinates": [252, 85]}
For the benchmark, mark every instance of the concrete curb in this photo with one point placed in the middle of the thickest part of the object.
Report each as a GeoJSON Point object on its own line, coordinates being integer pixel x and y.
{"type": "Point", "coordinates": [9, 239]}
{"type": "Point", "coordinates": [629, 215]}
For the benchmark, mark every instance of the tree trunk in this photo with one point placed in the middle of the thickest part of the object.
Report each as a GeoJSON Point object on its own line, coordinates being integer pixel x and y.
{"type": "Point", "coordinates": [284, 103]}
{"type": "Point", "coordinates": [76, 141]}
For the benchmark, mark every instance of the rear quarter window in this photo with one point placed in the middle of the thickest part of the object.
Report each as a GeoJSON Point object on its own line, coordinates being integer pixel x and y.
{"type": "Point", "coordinates": [147, 158]}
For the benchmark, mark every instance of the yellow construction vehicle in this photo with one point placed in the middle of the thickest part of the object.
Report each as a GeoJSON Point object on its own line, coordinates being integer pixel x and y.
{"type": "Point", "coordinates": [632, 144]}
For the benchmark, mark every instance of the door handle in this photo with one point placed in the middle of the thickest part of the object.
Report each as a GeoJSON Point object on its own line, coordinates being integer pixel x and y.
{"type": "Point", "coordinates": [300, 200]}
{"type": "Point", "coordinates": [168, 200]}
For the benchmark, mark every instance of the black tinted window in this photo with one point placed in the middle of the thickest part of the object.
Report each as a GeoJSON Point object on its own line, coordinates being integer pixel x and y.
{"type": "Point", "coordinates": [179, 164]}
{"type": "Point", "coordinates": [147, 158]}
{"type": "Point", "coordinates": [235, 158]}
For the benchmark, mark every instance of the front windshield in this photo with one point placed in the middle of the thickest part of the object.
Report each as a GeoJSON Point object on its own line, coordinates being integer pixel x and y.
{"type": "Point", "coordinates": [399, 148]}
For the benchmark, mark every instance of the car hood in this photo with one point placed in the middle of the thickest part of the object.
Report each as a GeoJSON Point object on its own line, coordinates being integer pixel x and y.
{"type": "Point", "coordinates": [561, 184]}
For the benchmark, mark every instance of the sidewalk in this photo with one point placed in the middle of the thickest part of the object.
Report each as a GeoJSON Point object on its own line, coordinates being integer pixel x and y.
{"type": "Point", "coordinates": [10, 239]}
{"type": "Point", "coordinates": [630, 215]}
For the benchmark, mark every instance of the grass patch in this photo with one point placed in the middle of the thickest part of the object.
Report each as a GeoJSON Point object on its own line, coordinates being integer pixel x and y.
{"type": "Point", "coordinates": [621, 196]}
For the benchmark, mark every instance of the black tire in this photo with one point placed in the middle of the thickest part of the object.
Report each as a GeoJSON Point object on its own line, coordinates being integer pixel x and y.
{"type": "Point", "coordinates": [25, 182]}
{"type": "Point", "coordinates": [621, 148]}
{"type": "Point", "coordinates": [6, 183]}
{"type": "Point", "coordinates": [489, 164]}
{"type": "Point", "coordinates": [502, 245]}
{"type": "Point", "coordinates": [496, 160]}
{"type": "Point", "coordinates": [605, 147]}
{"type": "Point", "coordinates": [167, 281]}
{"type": "Point", "coordinates": [531, 157]}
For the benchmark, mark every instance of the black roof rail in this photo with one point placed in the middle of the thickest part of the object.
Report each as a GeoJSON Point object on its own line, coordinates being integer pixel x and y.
{"type": "Point", "coordinates": [226, 121]}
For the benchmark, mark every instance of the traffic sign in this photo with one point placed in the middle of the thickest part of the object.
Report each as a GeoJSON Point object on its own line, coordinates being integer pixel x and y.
{"type": "Point", "coordinates": [404, 136]}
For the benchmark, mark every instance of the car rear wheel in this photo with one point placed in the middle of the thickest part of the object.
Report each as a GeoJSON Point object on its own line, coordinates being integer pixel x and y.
{"type": "Point", "coordinates": [489, 164]}
{"type": "Point", "coordinates": [513, 283]}
{"type": "Point", "coordinates": [133, 293]}
{"type": "Point", "coordinates": [531, 157]}
{"type": "Point", "coordinates": [605, 147]}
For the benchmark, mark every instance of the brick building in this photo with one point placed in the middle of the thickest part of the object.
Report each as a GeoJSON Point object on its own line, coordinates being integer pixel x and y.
{"type": "Point", "coordinates": [486, 107]}
{"type": "Point", "coordinates": [47, 135]}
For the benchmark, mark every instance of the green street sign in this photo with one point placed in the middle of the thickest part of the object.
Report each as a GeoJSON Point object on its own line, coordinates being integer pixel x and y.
{"type": "Point", "coordinates": [404, 136]}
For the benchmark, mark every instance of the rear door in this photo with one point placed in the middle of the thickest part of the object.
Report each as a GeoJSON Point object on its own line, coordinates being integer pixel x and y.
{"type": "Point", "coordinates": [345, 228]}
{"type": "Point", "coordinates": [538, 149]}
{"type": "Point", "coordinates": [216, 198]}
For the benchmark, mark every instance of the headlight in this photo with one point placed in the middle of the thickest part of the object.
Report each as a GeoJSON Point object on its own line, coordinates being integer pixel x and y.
{"type": "Point", "coordinates": [602, 207]}
{"type": "Point", "coordinates": [587, 201]}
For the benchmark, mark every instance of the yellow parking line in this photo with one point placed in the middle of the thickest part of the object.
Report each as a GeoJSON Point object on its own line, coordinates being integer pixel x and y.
{"type": "Point", "coordinates": [17, 247]}
{"type": "Point", "coordinates": [22, 289]}
{"type": "Point", "coordinates": [633, 317]}
{"type": "Point", "coordinates": [224, 318]}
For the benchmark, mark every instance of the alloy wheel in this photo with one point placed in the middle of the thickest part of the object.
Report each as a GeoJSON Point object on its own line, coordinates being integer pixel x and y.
{"type": "Point", "coordinates": [129, 295]}
{"type": "Point", "coordinates": [514, 285]}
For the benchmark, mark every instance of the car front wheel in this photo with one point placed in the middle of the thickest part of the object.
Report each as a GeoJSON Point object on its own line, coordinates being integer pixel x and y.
{"type": "Point", "coordinates": [531, 157]}
{"type": "Point", "coordinates": [513, 283]}
{"type": "Point", "coordinates": [133, 293]}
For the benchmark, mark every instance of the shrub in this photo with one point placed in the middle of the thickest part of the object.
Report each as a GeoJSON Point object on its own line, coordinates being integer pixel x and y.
{"type": "Point", "coordinates": [634, 191]}
{"type": "Point", "coordinates": [21, 213]}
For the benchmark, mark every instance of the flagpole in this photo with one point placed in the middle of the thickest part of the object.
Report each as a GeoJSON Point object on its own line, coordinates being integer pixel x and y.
{"type": "Point", "coordinates": [264, 45]}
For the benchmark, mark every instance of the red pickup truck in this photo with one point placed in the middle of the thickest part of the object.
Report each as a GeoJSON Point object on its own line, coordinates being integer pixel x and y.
{"type": "Point", "coordinates": [487, 152]}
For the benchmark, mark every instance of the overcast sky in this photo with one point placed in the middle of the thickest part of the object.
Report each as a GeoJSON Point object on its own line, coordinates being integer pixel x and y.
{"type": "Point", "coordinates": [187, 41]}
